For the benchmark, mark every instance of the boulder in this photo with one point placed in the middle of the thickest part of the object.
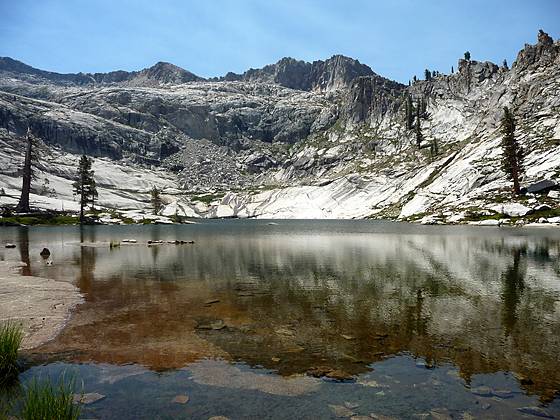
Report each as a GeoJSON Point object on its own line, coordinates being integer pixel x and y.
{"type": "Point", "coordinates": [512, 209]}
{"type": "Point", "coordinates": [487, 222]}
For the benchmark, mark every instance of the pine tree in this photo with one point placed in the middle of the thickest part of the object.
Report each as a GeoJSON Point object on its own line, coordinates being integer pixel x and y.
{"type": "Point", "coordinates": [424, 104]}
{"type": "Point", "coordinates": [157, 203]}
{"type": "Point", "coordinates": [505, 64]}
{"type": "Point", "coordinates": [85, 187]}
{"type": "Point", "coordinates": [434, 148]}
{"type": "Point", "coordinates": [23, 204]}
{"type": "Point", "coordinates": [513, 153]}
{"type": "Point", "coordinates": [467, 55]}
{"type": "Point", "coordinates": [409, 117]}
{"type": "Point", "coordinates": [419, 136]}
{"type": "Point", "coordinates": [452, 70]}
{"type": "Point", "coordinates": [414, 78]}
{"type": "Point", "coordinates": [427, 74]}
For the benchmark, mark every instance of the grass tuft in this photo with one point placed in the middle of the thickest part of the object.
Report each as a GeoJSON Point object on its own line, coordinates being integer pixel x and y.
{"type": "Point", "coordinates": [11, 335]}
{"type": "Point", "coordinates": [47, 401]}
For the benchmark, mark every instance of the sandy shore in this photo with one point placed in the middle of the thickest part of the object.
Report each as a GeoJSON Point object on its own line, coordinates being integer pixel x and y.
{"type": "Point", "coordinates": [41, 305]}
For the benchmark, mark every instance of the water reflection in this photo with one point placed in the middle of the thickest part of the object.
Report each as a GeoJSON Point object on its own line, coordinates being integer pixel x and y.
{"type": "Point", "coordinates": [317, 295]}
{"type": "Point", "coordinates": [514, 284]}
{"type": "Point", "coordinates": [23, 241]}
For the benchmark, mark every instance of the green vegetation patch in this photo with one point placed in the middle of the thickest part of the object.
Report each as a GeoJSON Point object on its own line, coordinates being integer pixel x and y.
{"type": "Point", "coordinates": [47, 219]}
{"type": "Point", "coordinates": [207, 198]}
{"type": "Point", "coordinates": [43, 400]}
{"type": "Point", "coordinates": [11, 335]}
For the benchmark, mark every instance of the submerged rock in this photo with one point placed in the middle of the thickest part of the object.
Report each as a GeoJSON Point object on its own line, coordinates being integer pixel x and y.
{"type": "Point", "coordinates": [376, 416]}
{"type": "Point", "coordinates": [440, 414]}
{"type": "Point", "coordinates": [536, 411]}
{"type": "Point", "coordinates": [348, 337]}
{"type": "Point", "coordinates": [181, 399]}
{"type": "Point", "coordinates": [341, 411]}
{"type": "Point", "coordinates": [88, 398]}
{"type": "Point", "coordinates": [211, 325]}
{"type": "Point", "coordinates": [45, 253]}
{"type": "Point", "coordinates": [482, 391]}
{"type": "Point", "coordinates": [502, 393]}
{"type": "Point", "coordinates": [211, 301]}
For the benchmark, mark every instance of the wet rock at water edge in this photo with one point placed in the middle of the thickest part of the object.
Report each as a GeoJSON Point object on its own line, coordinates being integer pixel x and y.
{"type": "Point", "coordinates": [340, 411]}
{"type": "Point", "coordinates": [425, 365]}
{"type": "Point", "coordinates": [351, 405]}
{"type": "Point", "coordinates": [523, 380]}
{"type": "Point", "coordinates": [536, 411]}
{"type": "Point", "coordinates": [330, 373]}
{"type": "Point", "coordinates": [348, 337]}
{"type": "Point", "coordinates": [360, 418]}
{"type": "Point", "coordinates": [218, 418]}
{"type": "Point", "coordinates": [181, 399]}
{"type": "Point", "coordinates": [88, 398]}
{"type": "Point", "coordinates": [45, 253]}
{"type": "Point", "coordinates": [9, 245]}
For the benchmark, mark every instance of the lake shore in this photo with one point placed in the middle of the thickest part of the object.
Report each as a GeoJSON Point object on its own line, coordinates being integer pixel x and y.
{"type": "Point", "coordinates": [41, 305]}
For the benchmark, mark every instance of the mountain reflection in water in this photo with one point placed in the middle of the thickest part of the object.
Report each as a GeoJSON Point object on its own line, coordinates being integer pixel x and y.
{"type": "Point", "coordinates": [301, 296]}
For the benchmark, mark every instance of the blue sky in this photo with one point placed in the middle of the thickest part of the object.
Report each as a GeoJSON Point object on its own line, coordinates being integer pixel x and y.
{"type": "Point", "coordinates": [397, 38]}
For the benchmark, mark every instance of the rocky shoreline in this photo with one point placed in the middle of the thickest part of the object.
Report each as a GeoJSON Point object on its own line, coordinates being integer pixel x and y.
{"type": "Point", "coordinates": [41, 305]}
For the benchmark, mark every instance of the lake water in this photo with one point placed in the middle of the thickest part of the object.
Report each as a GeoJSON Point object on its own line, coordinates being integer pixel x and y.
{"type": "Point", "coordinates": [305, 319]}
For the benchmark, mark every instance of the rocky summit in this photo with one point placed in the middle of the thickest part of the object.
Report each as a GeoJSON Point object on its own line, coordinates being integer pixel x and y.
{"type": "Point", "coordinates": [328, 139]}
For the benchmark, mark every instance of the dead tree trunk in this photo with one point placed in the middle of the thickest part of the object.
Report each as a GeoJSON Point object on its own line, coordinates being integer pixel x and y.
{"type": "Point", "coordinates": [23, 204]}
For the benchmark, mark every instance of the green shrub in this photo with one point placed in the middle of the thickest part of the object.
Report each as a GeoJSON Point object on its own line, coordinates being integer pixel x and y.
{"type": "Point", "coordinates": [11, 335]}
{"type": "Point", "coordinates": [45, 401]}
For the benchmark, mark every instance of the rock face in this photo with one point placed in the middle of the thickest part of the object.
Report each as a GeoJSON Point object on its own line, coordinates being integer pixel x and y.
{"type": "Point", "coordinates": [293, 139]}
{"type": "Point", "coordinates": [337, 72]}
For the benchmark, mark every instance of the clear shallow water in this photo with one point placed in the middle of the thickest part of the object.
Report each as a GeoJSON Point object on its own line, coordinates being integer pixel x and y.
{"type": "Point", "coordinates": [419, 316]}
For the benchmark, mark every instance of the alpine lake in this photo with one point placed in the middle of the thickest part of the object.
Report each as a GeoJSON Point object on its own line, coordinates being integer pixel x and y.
{"type": "Point", "coordinates": [303, 319]}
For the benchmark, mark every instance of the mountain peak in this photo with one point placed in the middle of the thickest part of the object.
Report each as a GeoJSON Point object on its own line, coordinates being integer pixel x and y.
{"type": "Point", "coordinates": [164, 72]}
{"type": "Point", "coordinates": [333, 73]}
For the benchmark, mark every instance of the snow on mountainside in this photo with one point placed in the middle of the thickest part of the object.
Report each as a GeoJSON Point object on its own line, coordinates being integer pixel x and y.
{"type": "Point", "coordinates": [327, 139]}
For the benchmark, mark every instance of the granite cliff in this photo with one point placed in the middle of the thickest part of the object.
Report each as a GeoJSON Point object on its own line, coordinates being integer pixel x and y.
{"type": "Point", "coordinates": [328, 139]}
